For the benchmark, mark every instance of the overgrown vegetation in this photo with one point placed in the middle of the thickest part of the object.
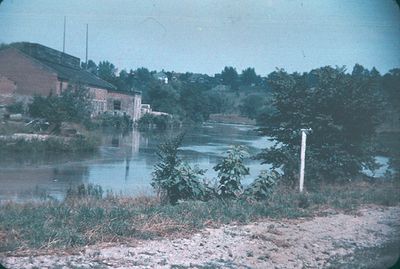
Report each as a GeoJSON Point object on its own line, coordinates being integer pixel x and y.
{"type": "Point", "coordinates": [73, 105]}
{"type": "Point", "coordinates": [116, 122]}
{"type": "Point", "coordinates": [161, 122]}
{"type": "Point", "coordinates": [88, 219]}
{"type": "Point", "coordinates": [263, 186]}
{"type": "Point", "coordinates": [52, 144]}
{"type": "Point", "coordinates": [343, 111]}
{"type": "Point", "coordinates": [231, 171]}
{"type": "Point", "coordinates": [174, 179]}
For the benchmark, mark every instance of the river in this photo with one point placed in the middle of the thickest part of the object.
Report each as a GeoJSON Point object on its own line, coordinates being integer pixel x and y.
{"type": "Point", "coordinates": [124, 163]}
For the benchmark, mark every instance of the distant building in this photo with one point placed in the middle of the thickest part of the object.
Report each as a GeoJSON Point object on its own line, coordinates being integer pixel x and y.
{"type": "Point", "coordinates": [146, 109]}
{"type": "Point", "coordinates": [28, 69]}
{"type": "Point", "coordinates": [161, 76]}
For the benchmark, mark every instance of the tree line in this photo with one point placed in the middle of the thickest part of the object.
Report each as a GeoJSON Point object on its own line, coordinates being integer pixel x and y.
{"type": "Point", "coordinates": [348, 110]}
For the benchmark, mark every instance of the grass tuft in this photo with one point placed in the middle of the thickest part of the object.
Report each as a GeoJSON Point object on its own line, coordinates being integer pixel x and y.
{"type": "Point", "coordinates": [88, 217]}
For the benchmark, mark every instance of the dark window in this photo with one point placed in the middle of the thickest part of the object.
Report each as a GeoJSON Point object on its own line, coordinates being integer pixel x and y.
{"type": "Point", "coordinates": [117, 105]}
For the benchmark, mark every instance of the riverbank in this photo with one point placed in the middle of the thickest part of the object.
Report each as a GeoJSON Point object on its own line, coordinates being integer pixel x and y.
{"type": "Point", "coordinates": [20, 137]}
{"type": "Point", "coordinates": [319, 242]}
{"type": "Point", "coordinates": [34, 143]}
{"type": "Point", "coordinates": [77, 223]}
{"type": "Point", "coordinates": [231, 119]}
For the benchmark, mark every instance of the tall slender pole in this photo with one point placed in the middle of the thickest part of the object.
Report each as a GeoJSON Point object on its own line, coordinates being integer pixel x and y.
{"type": "Point", "coordinates": [302, 158]}
{"type": "Point", "coordinates": [65, 23]}
{"type": "Point", "coordinates": [87, 45]}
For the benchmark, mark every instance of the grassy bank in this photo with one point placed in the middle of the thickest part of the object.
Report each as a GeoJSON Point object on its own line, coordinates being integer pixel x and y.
{"type": "Point", "coordinates": [51, 144]}
{"type": "Point", "coordinates": [87, 219]}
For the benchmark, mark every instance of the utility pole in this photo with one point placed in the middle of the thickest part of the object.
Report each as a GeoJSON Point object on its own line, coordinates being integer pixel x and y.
{"type": "Point", "coordinates": [87, 45]}
{"type": "Point", "coordinates": [303, 155]}
{"type": "Point", "coordinates": [65, 23]}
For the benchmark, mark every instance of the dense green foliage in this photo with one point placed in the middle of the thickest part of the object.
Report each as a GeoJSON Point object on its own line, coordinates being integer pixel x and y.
{"type": "Point", "coordinates": [73, 105]}
{"type": "Point", "coordinates": [174, 179]}
{"type": "Point", "coordinates": [231, 171]}
{"type": "Point", "coordinates": [149, 121]}
{"type": "Point", "coordinates": [263, 186]}
{"type": "Point", "coordinates": [117, 122]}
{"type": "Point", "coordinates": [53, 144]}
{"type": "Point", "coordinates": [342, 110]}
{"type": "Point", "coordinates": [17, 107]}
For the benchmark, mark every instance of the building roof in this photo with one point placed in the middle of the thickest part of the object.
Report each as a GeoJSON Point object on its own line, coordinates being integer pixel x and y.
{"type": "Point", "coordinates": [67, 67]}
{"type": "Point", "coordinates": [160, 75]}
{"type": "Point", "coordinates": [79, 75]}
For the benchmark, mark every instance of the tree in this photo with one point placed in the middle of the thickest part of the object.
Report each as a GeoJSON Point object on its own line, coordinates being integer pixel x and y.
{"type": "Point", "coordinates": [230, 77]}
{"type": "Point", "coordinates": [164, 98]}
{"type": "Point", "coordinates": [194, 102]}
{"type": "Point", "coordinates": [342, 111]}
{"type": "Point", "coordinates": [107, 71]}
{"type": "Point", "coordinates": [252, 105]}
{"type": "Point", "coordinates": [90, 67]}
{"type": "Point", "coordinates": [249, 77]}
{"type": "Point", "coordinates": [391, 93]}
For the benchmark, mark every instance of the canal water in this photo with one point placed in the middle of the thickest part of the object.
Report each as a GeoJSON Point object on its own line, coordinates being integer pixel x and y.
{"type": "Point", "coordinates": [124, 163]}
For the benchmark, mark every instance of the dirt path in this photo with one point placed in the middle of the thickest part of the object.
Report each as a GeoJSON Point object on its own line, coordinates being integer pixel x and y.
{"type": "Point", "coordinates": [300, 243]}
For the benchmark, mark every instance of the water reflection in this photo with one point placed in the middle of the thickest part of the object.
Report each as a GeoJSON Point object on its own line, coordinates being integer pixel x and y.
{"type": "Point", "coordinates": [124, 162]}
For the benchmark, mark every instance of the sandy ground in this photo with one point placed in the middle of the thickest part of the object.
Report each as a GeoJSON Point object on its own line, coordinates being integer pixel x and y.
{"type": "Point", "coordinates": [301, 243]}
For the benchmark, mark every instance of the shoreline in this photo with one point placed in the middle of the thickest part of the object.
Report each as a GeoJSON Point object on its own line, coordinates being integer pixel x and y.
{"type": "Point", "coordinates": [343, 238]}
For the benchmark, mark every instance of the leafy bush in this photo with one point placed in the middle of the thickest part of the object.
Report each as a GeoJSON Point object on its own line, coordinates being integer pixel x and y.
{"type": "Point", "coordinates": [148, 121]}
{"type": "Point", "coordinates": [343, 112]}
{"type": "Point", "coordinates": [173, 179]}
{"type": "Point", "coordinates": [263, 186]}
{"type": "Point", "coordinates": [15, 108]}
{"type": "Point", "coordinates": [231, 171]}
{"type": "Point", "coordinates": [73, 105]}
{"type": "Point", "coordinates": [119, 122]}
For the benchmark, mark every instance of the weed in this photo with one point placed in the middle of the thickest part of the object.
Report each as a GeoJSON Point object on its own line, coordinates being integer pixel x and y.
{"type": "Point", "coordinates": [87, 217]}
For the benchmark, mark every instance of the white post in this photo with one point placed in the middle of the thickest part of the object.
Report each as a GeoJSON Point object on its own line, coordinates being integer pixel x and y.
{"type": "Point", "coordinates": [302, 157]}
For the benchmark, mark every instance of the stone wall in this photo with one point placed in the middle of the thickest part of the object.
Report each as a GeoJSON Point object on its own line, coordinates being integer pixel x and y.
{"type": "Point", "coordinates": [99, 100]}
{"type": "Point", "coordinates": [124, 104]}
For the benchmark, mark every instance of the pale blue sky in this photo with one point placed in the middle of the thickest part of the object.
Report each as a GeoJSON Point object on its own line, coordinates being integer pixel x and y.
{"type": "Point", "coordinates": [204, 35]}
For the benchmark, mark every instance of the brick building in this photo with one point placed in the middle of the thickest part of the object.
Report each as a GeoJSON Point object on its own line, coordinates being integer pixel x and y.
{"type": "Point", "coordinates": [28, 69]}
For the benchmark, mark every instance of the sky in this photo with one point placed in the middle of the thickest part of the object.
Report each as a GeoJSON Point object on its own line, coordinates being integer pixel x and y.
{"type": "Point", "coordinates": [204, 36]}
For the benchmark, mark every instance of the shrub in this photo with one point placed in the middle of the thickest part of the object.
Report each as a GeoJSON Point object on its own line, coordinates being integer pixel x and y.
{"type": "Point", "coordinates": [161, 122]}
{"type": "Point", "coordinates": [173, 179]}
{"type": "Point", "coordinates": [231, 171]}
{"type": "Point", "coordinates": [73, 105]}
{"type": "Point", "coordinates": [263, 185]}
{"type": "Point", "coordinates": [15, 108]}
{"type": "Point", "coordinates": [119, 122]}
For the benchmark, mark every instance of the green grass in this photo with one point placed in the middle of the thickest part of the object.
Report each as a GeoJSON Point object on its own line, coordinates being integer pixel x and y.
{"type": "Point", "coordinates": [89, 219]}
{"type": "Point", "coordinates": [56, 144]}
